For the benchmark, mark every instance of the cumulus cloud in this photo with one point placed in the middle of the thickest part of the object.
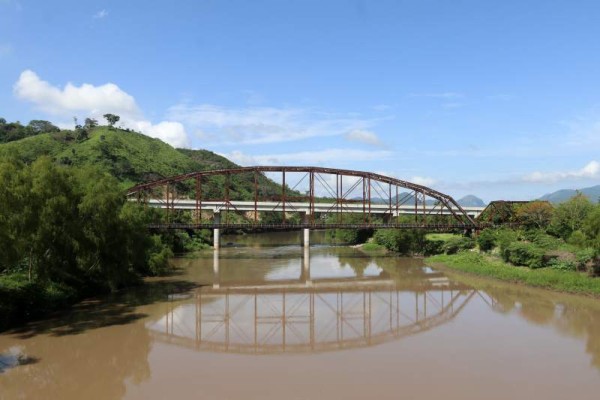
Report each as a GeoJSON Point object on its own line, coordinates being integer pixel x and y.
{"type": "Point", "coordinates": [71, 98]}
{"type": "Point", "coordinates": [589, 171]}
{"type": "Point", "coordinates": [364, 136]}
{"type": "Point", "coordinates": [322, 157]}
{"type": "Point", "coordinates": [95, 101]}
{"type": "Point", "coordinates": [261, 125]}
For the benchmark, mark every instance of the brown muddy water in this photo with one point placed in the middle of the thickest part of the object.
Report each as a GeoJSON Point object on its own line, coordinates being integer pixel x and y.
{"type": "Point", "coordinates": [277, 322]}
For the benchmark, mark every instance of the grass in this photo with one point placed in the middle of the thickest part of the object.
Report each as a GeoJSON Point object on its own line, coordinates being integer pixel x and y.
{"type": "Point", "coordinates": [441, 236]}
{"type": "Point", "coordinates": [488, 266]}
{"type": "Point", "coordinates": [373, 247]}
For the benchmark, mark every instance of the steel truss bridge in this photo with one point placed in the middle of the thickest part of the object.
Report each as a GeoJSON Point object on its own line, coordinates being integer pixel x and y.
{"type": "Point", "coordinates": [310, 315]}
{"type": "Point", "coordinates": [325, 191]}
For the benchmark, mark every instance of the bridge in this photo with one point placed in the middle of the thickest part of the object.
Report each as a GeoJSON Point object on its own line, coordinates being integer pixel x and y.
{"type": "Point", "coordinates": [307, 198]}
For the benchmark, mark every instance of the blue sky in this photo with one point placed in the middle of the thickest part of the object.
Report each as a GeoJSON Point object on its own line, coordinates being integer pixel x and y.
{"type": "Point", "coordinates": [496, 98]}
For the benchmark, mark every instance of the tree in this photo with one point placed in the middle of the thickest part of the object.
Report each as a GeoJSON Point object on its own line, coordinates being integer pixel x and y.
{"type": "Point", "coordinates": [536, 214]}
{"type": "Point", "coordinates": [591, 228]}
{"type": "Point", "coordinates": [90, 123]}
{"type": "Point", "coordinates": [569, 216]}
{"type": "Point", "coordinates": [112, 119]}
{"type": "Point", "coordinates": [41, 126]}
{"type": "Point", "coordinates": [82, 134]}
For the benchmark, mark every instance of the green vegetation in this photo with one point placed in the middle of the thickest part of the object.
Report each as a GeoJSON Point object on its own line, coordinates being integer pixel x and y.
{"type": "Point", "coordinates": [11, 131]}
{"type": "Point", "coordinates": [548, 278]}
{"type": "Point", "coordinates": [373, 247]}
{"type": "Point", "coordinates": [68, 233]}
{"type": "Point", "coordinates": [130, 157]}
{"type": "Point", "coordinates": [66, 228]}
{"type": "Point", "coordinates": [556, 248]}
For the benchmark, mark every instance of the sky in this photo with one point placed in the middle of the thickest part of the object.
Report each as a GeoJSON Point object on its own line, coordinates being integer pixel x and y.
{"type": "Point", "coordinates": [500, 99]}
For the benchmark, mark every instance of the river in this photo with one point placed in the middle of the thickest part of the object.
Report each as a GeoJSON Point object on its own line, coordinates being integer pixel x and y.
{"type": "Point", "coordinates": [263, 318]}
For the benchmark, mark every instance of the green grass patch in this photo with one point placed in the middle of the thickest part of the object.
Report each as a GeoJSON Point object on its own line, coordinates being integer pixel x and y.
{"type": "Point", "coordinates": [486, 266]}
{"type": "Point", "coordinates": [373, 247]}
{"type": "Point", "coordinates": [441, 236]}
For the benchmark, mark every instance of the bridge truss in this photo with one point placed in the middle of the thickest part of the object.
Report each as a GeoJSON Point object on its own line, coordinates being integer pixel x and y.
{"type": "Point", "coordinates": [374, 200]}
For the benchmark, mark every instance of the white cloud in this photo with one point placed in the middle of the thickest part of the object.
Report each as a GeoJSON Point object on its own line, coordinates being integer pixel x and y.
{"type": "Point", "coordinates": [364, 136]}
{"type": "Point", "coordinates": [100, 14]}
{"type": "Point", "coordinates": [304, 158]}
{"type": "Point", "coordinates": [423, 180]}
{"type": "Point", "coordinates": [95, 101]}
{"type": "Point", "coordinates": [167, 131]}
{"type": "Point", "coordinates": [590, 171]}
{"type": "Point", "coordinates": [261, 125]}
{"type": "Point", "coordinates": [71, 98]}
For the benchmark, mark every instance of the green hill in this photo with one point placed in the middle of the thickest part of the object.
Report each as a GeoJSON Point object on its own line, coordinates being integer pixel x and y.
{"type": "Point", "coordinates": [593, 193]}
{"type": "Point", "coordinates": [132, 158]}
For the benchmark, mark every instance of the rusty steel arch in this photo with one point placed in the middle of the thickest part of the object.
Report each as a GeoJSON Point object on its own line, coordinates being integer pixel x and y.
{"type": "Point", "coordinates": [420, 201]}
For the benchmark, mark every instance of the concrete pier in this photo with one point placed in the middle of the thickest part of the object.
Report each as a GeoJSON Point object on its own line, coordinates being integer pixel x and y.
{"type": "Point", "coordinates": [216, 231]}
{"type": "Point", "coordinates": [216, 273]}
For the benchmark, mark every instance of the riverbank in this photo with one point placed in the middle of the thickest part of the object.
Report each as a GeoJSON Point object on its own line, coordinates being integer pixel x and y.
{"type": "Point", "coordinates": [491, 267]}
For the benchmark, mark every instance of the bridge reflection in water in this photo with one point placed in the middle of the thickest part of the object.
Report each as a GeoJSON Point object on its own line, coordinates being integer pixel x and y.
{"type": "Point", "coordinates": [310, 315]}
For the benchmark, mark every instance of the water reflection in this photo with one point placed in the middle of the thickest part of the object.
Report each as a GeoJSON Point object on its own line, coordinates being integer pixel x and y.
{"type": "Point", "coordinates": [410, 322]}
{"type": "Point", "coordinates": [572, 316]}
{"type": "Point", "coordinates": [325, 309]}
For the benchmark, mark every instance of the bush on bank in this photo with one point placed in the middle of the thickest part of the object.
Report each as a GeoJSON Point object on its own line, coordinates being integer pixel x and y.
{"type": "Point", "coordinates": [548, 278]}
{"type": "Point", "coordinates": [67, 234]}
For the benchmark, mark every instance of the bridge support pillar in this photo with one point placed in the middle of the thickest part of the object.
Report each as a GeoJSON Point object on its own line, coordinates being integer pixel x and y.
{"type": "Point", "coordinates": [216, 231]}
{"type": "Point", "coordinates": [216, 273]}
{"type": "Point", "coordinates": [306, 240]}
{"type": "Point", "coordinates": [306, 231]}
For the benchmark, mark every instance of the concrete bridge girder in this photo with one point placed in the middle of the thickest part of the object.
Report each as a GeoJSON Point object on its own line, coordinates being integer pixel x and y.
{"type": "Point", "coordinates": [219, 206]}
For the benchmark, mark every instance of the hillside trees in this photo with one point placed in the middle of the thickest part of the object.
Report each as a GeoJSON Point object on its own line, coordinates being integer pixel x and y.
{"type": "Point", "coordinates": [12, 131]}
{"type": "Point", "coordinates": [112, 119]}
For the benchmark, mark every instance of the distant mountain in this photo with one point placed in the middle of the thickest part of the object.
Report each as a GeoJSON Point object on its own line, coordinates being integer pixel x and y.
{"type": "Point", "coordinates": [471, 201]}
{"type": "Point", "coordinates": [593, 193]}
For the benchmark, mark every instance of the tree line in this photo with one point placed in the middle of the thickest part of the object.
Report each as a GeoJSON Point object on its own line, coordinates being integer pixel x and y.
{"type": "Point", "coordinates": [68, 233]}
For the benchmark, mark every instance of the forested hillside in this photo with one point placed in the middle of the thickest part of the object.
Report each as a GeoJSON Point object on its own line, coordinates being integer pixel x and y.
{"type": "Point", "coordinates": [129, 156]}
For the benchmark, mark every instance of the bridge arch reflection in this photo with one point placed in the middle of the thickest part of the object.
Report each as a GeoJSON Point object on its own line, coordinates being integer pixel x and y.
{"type": "Point", "coordinates": [309, 315]}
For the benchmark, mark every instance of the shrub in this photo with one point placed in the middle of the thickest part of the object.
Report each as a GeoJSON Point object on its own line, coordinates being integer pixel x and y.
{"type": "Point", "coordinates": [578, 239]}
{"type": "Point", "coordinates": [504, 238]}
{"type": "Point", "coordinates": [433, 247]}
{"type": "Point", "coordinates": [486, 240]}
{"type": "Point", "coordinates": [562, 265]}
{"type": "Point", "coordinates": [454, 245]}
{"type": "Point", "coordinates": [525, 254]}
{"type": "Point", "coordinates": [542, 239]}
{"type": "Point", "coordinates": [400, 241]}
